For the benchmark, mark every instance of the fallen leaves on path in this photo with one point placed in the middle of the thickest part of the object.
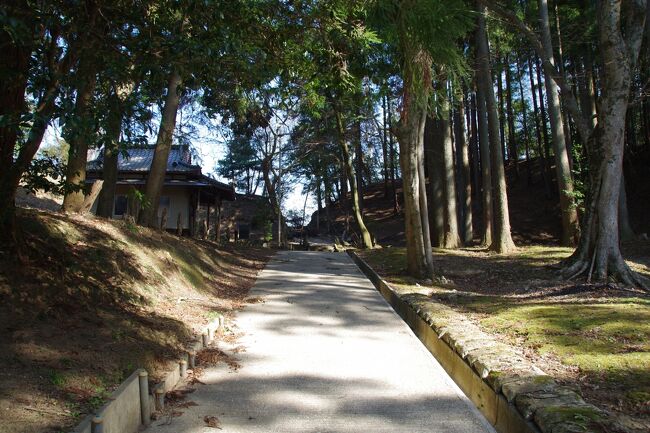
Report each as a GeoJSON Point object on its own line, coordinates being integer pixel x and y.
{"type": "Point", "coordinates": [213, 355]}
{"type": "Point", "coordinates": [212, 421]}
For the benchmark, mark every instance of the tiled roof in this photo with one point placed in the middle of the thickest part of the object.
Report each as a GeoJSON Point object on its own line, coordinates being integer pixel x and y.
{"type": "Point", "coordinates": [139, 159]}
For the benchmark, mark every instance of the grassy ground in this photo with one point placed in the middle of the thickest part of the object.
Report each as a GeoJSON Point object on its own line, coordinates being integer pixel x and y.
{"type": "Point", "coordinates": [96, 300]}
{"type": "Point", "coordinates": [596, 338]}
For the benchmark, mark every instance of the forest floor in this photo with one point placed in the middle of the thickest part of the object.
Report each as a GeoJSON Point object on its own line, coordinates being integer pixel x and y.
{"type": "Point", "coordinates": [595, 338]}
{"type": "Point", "coordinates": [98, 299]}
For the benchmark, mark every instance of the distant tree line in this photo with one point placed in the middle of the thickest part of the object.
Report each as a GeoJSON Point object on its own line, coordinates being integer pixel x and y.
{"type": "Point", "coordinates": [438, 95]}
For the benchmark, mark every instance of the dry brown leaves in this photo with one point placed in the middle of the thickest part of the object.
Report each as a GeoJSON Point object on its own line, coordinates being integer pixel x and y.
{"type": "Point", "coordinates": [213, 355]}
{"type": "Point", "coordinates": [212, 421]}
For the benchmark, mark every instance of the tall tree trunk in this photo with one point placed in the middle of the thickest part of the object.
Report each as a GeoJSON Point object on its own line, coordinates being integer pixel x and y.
{"type": "Point", "coordinates": [452, 238]}
{"type": "Point", "coordinates": [501, 237]}
{"type": "Point", "coordinates": [566, 120]}
{"type": "Point", "coordinates": [501, 113]}
{"type": "Point", "coordinates": [512, 142]}
{"type": "Point", "coordinates": [524, 112]}
{"type": "Point", "coordinates": [563, 170]}
{"type": "Point", "coordinates": [432, 144]}
{"type": "Point", "coordinates": [80, 135]}
{"type": "Point", "coordinates": [486, 173]}
{"type": "Point", "coordinates": [462, 149]}
{"type": "Point", "coordinates": [393, 158]}
{"type": "Point", "coordinates": [586, 93]}
{"type": "Point", "coordinates": [384, 144]}
{"type": "Point", "coordinates": [476, 166]}
{"type": "Point", "coordinates": [343, 190]}
{"type": "Point", "coordinates": [359, 162]}
{"type": "Point", "coordinates": [424, 207]}
{"type": "Point", "coordinates": [15, 71]}
{"type": "Point", "coordinates": [626, 231]}
{"type": "Point", "coordinates": [411, 136]}
{"type": "Point", "coordinates": [156, 177]}
{"type": "Point", "coordinates": [544, 118]}
{"type": "Point", "coordinates": [328, 201]}
{"type": "Point", "coordinates": [598, 254]}
{"type": "Point", "coordinates": [271, 192]}
{"type": "Point", "coordinates": [366, 238]}
{"type": "Point", "coordinates": [543, 167]}
{"type": "Point", "coordinates": [109, 163]}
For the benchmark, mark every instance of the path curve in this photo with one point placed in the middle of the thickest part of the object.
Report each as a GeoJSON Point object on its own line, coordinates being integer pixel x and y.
{"type": "Point", "coordinates": [325, 353]}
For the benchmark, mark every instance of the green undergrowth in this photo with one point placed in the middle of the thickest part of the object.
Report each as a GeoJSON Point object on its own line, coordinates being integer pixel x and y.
{"type": "Point", "coordinates": [601, 334]}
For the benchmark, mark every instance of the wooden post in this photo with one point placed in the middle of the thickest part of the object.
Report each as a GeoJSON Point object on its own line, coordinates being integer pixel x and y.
{"type": "Point", "coordinates": [179, 224]}
{"type": "Point", "coordinates": [145, 412]}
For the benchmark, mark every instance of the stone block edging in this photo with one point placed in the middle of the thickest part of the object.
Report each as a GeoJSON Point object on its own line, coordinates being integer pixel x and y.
{"type": "Point", "coordinates": [131, 405]}
{"type": "Point", "coordinates": [512, 394]}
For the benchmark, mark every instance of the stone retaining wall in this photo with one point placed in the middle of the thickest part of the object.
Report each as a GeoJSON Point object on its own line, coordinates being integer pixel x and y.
{"type": "Point", "coordinates": [513, 394]}
{"type": "Point", "coordinates": [123, 412]}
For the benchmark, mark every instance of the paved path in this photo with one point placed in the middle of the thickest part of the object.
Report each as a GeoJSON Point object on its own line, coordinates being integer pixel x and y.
{"type": "Point", "coordinates": [325, 353]}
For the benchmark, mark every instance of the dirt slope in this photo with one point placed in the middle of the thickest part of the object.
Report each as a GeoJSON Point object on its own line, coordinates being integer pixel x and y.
{"type": "Point", "coordinates": [534, 216]}
{"type": "Point", "coordinates": [96, 300]}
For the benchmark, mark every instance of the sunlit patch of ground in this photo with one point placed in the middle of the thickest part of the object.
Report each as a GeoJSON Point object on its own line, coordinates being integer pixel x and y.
{"type": "Point", "coordinates": [594, 337]}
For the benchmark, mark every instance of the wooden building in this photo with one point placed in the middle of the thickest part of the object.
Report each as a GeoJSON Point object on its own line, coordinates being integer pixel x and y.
{"type": "Point", "coordinates": [187, 196]}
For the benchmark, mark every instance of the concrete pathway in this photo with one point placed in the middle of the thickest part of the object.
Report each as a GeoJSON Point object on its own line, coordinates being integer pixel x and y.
{"type": "Point", "coordinates": [325, 353]}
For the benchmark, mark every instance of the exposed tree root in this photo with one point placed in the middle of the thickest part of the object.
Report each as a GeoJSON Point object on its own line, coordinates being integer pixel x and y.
{"type": "Point", "coordinates": [615, 270]}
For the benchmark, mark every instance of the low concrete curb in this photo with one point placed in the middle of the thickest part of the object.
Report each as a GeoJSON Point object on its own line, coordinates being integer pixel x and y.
{"type": "Point", "coordinates": [512, 394]}
{"type": "Point", "coordinates": [131, 405]}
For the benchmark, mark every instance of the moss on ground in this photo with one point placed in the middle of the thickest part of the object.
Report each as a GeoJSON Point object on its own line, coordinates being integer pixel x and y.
{"type": "Point", "coordinates": [600, 333]}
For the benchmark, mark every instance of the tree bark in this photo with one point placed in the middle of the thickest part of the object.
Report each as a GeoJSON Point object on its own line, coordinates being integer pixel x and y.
{"type": "Point", "coordinates": [451, 237]}
{"type": "Point", "coordinates": [543, 168]}
{"type": "Point", "coordinates": [512, 142]}
{"type": "Point", "coordinates": [411, 136]}
{"type": "Point", "coordinates": [89, 199]}
{"type": "Point", "coordinates": [598, 254]}
{"type": "Point", "coordinates": [474, 151]}
{"type": "Point", "coordinates": [625, 228]}
{"type": "Point", "coordinates": [15, 72]}
{"type": "Point", "coordinates": [319, 199]}
{"type": "Point", "coordinates": [501, 237]}
{"type": "Point", "coordinates": [486, 173]}
{"type": "Point", "coordinates": [432, 144]}
{"type": "Point", "coordinates": [156, 177]}
{"type": "Point", "coordinates": [393, 159]}
{"type": "Point", "coordinates": [566, 120]}
{"type": "Point", "coordinates": [80, 135]}
{"type": "Point", "coordinates": [544, 120]}
{"type": "Point", "coordinates": [384, 144]}
{"type": "Point", "coordinates": [359, 163]}
{"type": "Point", "coordinates": [366, 238]}
{"type": "Point", "coordinates": [501, 112]}
{"type": "Point", "coordinates": [109, 163]}
{"type": "Point", "coordinates": [424, 207]}
{"type": "Point", "coordinates": [563, 170]}
{"type": "Point", "coordinates": [465, 186]}
{"type": "Point", "coordinates": [524, 112]}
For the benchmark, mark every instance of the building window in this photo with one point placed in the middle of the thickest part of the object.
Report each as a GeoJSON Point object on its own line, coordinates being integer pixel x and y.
{"type": "Point", "coordinates": [120, 205]}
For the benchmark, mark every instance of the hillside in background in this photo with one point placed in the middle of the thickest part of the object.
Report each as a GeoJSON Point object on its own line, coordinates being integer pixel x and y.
{"type": "Point", "coordinates": [534, 216]}
{"type": "Point", "coordinates": [96, 299]}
